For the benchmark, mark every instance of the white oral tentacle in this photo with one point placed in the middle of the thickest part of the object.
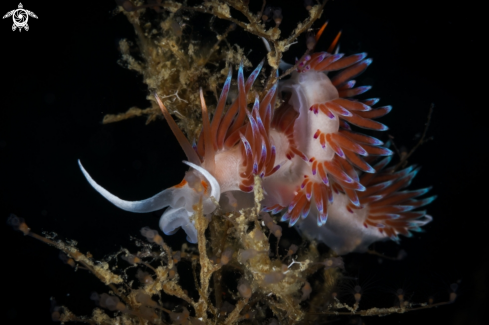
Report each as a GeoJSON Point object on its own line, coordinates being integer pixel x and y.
{"type": "Point", "coordinates": [156, 202]}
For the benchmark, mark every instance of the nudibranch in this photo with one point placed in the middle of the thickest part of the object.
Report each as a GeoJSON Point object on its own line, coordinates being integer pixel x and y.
{"type": "Point", "coordinates": [325, 178]}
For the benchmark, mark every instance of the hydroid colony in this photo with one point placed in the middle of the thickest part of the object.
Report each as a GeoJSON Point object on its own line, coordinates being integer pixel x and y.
{"type": "Point", "coordinates": [283, 144]}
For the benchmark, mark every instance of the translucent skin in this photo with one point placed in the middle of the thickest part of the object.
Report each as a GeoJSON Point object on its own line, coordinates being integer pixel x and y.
{"type": "Point", "coordinates": [312, 165]}
{"type": "Point", "coordinates": [307, 89]}
{"type": "Point", "coordinates": [344, 232]}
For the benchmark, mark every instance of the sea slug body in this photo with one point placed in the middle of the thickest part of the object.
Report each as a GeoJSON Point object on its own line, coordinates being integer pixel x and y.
{"type": "Point", "coordinates": [326, 178]}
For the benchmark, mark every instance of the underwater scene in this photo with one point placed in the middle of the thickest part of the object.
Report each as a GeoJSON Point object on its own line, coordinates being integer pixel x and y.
{"type": "Point", "coordinates": [243, 162]}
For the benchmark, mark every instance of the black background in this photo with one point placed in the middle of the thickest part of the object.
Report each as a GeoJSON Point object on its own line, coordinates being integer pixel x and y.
{"type": "Point", "coordinates": [61, 77]}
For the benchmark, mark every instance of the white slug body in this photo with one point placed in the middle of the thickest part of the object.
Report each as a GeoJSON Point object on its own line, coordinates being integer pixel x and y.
{"type": "Point", "coordinates": [314, 167]}
{"type": "Point", "coordinates": [309, 88]}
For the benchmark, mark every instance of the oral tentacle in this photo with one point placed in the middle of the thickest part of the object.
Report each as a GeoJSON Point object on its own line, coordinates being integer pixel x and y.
{"type": "Point", "coordinates": [154, 203]}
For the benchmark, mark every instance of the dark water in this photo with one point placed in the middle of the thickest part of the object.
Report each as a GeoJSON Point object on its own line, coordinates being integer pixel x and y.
{"type": "Point", "coordinates": [61, 77]}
